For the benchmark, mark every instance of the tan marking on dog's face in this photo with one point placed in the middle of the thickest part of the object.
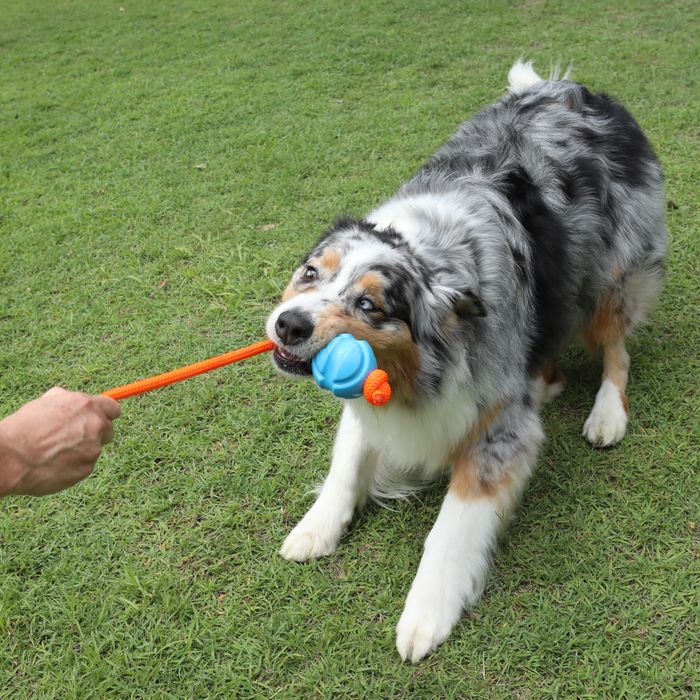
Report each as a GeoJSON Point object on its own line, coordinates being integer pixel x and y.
{"type": "Point", "coordinates": [394, 348]}
{"type": "Point", "coordinates": [372, 285]}
{"type": "Point", "coordinates": [328, 262]}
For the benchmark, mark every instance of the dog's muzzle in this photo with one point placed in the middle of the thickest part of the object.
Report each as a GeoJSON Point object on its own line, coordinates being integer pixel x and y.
{"type": "Point", "coordinates": [292, 328]}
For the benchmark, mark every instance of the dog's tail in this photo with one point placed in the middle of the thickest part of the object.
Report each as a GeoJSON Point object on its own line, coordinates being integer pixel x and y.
{"type": "Point", "coordinates": [522, 76]}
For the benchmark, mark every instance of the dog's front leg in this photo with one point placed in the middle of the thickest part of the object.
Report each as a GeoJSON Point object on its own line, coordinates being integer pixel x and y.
{"type": "Point", "coordinates": [487, 479]}
{"type": "Point", "coordinates": [344, 489]}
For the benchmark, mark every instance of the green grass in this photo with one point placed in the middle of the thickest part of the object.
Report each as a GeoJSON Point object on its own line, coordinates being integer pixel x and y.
{"type": "Point", "coordinates": [162, 169]}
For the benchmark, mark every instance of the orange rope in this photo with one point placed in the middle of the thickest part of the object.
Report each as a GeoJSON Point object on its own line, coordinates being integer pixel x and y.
{"type": "Point", "coordinates": [177, 375]}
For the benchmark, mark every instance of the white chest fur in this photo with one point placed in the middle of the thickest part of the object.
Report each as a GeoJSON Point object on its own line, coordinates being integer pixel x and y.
{"type": "Point", "coordinates": [417, 440]}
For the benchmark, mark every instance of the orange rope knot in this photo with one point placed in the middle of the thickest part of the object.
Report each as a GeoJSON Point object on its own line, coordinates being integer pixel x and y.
{"type": "Point", "coordinates": [377, 389]}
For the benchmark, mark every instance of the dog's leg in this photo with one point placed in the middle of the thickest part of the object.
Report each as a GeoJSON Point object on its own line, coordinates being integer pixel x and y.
{"type": "Point", "coordinates": [487, 480]}
{"type": "Point", "coordinates": [344, 489]}
{"type": "Point", "coordinates": [549, 383]}
{"type": "Point", "coordinates": [607, 423]}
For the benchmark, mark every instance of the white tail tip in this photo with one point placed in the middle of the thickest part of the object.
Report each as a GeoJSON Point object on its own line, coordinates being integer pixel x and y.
{"type": "Point", "coordinates": [522, 76]}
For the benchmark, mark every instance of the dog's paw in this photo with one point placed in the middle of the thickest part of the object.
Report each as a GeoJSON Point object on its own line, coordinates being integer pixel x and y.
{"type": "Point", "coordinates": [552, 390]}
{"type": "Point", "coordinates": [426, 621]}
{"type": "Point", "coordinates": [546, 391]}
{"type": "Point", "coordinates": [306, 542]}
{"type": "Point", "coordinates": [607, 423]}
{"type": "Point", "coordinates": [423, 625]}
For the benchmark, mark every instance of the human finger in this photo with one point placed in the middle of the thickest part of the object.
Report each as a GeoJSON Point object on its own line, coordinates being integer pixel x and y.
{"type": "Point", "coordinates": [108, 433]}
{"type": "Point", "coordinates": [109, 407]}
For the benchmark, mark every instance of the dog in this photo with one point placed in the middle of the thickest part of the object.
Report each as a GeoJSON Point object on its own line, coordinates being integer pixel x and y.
{"type": "Point", "coordinates": [541, 221]}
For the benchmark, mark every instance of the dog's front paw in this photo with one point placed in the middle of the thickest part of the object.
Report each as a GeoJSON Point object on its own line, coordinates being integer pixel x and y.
{"type": "Point", "coordinates": [308, 541]}
{"type": "Point", "coordinates": [607, 423]}
{"type": "Point", "coordinates": [426, 621]}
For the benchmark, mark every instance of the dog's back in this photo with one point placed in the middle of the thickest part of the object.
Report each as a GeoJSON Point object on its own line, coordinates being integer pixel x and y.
{"type": "Point", "coordinates": [581, 179]}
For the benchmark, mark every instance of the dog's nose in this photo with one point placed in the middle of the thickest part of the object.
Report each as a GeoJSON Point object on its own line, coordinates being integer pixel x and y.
{"type": "Point", "coordinates": [293, 326]}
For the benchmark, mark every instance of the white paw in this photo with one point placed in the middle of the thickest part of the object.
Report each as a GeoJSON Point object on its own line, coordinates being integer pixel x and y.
{"type": "Point", "coordinates": [553, 390]}
{"type": "Point", "coordinates": [309, 540]}
{"type": "Point", "coordinates": [420, 630]}
{"type": "Point", "coordinates": [545, 392]}
{"type": "Point", "coordinates": [426, 621]}
{"type": "Point", "coordinates": [608, 420]}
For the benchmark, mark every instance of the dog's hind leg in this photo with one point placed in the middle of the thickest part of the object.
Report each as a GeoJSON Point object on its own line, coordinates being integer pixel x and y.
{"type": "Point", "coordinates": [625, 306]}
{"type": "Point", "coordinates": [345, 488]}
{"type": "Point", "coordinates": [488, 476]}
{"type": "Point", "coordinates": [607, 422]}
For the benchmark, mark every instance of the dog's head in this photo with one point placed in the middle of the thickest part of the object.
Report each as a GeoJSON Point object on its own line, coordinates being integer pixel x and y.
{"type": "Point", "coordinates": [370, 283]}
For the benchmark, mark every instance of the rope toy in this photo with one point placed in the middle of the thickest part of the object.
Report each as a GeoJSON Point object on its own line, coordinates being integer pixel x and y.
{"type": "Point", "coordinates": [377, 389]}
{"type": "Point", "coordinates": [177, 375]}
{"type": "Point", "coordinates": [346, 366]}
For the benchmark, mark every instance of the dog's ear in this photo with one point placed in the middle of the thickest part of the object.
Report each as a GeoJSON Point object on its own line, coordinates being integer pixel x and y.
{"type": "Point", "coordinates": [463, 302]}
{"type": "Point", "coordinates": [469, 304]}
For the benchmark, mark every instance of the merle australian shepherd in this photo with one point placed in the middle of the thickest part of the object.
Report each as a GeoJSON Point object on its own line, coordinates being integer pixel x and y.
{"type": "Point", "coordinates": [540, 221]}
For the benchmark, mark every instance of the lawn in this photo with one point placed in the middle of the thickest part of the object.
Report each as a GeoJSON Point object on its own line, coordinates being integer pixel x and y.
{"type": "Point", "coordinates": [163, 166]}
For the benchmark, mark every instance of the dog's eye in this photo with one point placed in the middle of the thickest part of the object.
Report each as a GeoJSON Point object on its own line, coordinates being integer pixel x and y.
{"type": "Point", "coordinates": [310, 274]}
{"type": "Point", "coordinates": [366, 304]}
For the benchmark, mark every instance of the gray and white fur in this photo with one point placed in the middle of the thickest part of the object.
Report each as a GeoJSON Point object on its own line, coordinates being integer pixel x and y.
{"type": "Point", "coordinates": [540, 221]}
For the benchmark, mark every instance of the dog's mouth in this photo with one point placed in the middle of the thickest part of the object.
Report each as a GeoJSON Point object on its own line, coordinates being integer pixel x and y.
{"type": "Point", "coordinates": [291, 363]}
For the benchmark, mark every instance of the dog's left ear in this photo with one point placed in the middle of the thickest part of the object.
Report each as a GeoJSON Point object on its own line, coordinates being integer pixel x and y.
{"type": "Point", "coordinates": [469, 304]}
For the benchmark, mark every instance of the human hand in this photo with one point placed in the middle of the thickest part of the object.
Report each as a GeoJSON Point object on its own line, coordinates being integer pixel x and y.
{"type": "Point", "coordinates": [54, 441]}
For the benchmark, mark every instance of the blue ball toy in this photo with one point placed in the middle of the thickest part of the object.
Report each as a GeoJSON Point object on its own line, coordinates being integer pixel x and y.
{"type": "Point", "coordinates": [343, 365]}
